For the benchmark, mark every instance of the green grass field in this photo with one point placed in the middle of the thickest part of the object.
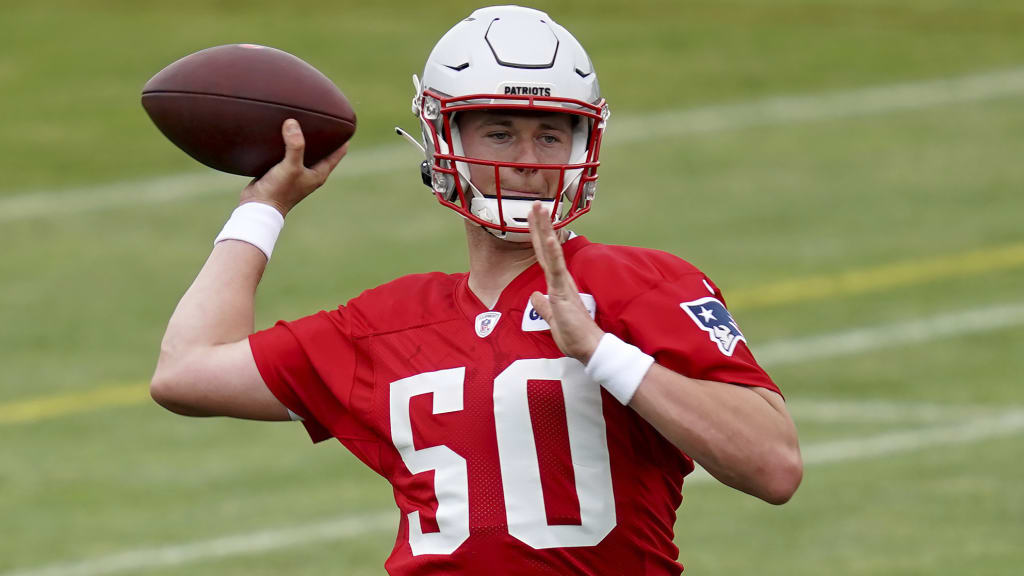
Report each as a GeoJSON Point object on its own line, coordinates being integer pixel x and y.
{"type": "Point", "coordinates": [741, 139]}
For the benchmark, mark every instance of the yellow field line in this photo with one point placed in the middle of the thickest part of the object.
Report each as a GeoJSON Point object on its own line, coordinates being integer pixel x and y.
{"type": "Point", "coordinates": [45, 407]}
{"type": "Point", "coordinates": [854, 282]}
{"type": "Point", "coordinates": [909, 273]}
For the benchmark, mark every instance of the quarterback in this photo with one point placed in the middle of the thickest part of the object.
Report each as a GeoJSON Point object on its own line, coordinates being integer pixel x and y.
{"type": "Point", "coordinates": [537, 414]}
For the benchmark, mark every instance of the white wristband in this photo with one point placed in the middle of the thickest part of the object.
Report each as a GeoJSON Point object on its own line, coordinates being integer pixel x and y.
{"type": "Point", "coordinates": [618, 367]}
{"type": "Point", "coordinates": [256, 223]}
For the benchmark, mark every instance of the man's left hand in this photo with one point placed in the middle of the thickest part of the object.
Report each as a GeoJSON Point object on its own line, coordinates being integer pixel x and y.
{"type": "Point", "coordinates": [573, 329]}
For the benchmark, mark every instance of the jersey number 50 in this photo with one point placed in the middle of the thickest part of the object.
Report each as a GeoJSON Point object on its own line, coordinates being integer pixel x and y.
{"type": "Point", "coordinates": [517, 452]}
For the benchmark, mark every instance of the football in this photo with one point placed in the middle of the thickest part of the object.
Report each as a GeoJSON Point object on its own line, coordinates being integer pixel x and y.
{"type": "Point", "coordinates": [224, 106]}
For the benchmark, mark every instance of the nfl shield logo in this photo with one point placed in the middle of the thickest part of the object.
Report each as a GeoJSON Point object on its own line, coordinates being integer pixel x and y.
{"type": "Point", "coordinates": [711, 316]}
{"type": "Point", "coordinates": [485, 323]}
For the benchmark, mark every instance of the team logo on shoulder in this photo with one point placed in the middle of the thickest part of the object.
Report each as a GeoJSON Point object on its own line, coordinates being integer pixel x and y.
{"type": "Point", "coordinates": [711, 316]}
{"type": "Point", "coordinates": [532, 322]}
{"type": "Point", "coordinates": [485, 323]}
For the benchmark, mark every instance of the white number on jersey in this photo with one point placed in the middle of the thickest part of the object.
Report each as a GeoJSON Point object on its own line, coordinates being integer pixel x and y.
{"type": "Point", "coordinates": [588, 447]}
{"type": "Point", "coordinates": [517, 454]}
{"type": "Point", "coordinates": [450, 482]}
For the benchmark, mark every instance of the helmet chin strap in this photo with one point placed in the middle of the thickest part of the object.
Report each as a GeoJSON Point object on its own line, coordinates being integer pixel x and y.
{"type": "Point", "coordinates": [514, 210]}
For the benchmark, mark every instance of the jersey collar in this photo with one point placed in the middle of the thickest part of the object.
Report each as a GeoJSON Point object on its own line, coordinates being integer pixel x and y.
{"type": "Point", "coordinates": [514, 296]}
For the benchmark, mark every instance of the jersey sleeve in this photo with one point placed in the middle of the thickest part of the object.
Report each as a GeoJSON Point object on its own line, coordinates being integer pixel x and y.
{"type": "Point", "coordinates": [683, 322]}
{"type": "Point", "coordinates": [309, 365]}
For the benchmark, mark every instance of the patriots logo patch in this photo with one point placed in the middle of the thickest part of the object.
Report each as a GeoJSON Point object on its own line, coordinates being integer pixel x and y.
{"type": "Point", "coordinates": [711, 316]}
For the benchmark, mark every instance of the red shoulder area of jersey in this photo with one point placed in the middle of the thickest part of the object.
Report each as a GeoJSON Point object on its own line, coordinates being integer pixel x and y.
{"type": "Point", "coordinates": [416, 299]}
{"type": "Point", "coordinates": [669, 309]}
{"type": "Point", "coordinates": [408, 301]}
{"type": "Point", "coordinates": [621, 273]}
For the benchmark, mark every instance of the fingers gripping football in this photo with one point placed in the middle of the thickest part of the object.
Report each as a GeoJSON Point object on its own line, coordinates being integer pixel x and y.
{"type": "Point", "coordinates": [294, 145]}
{"type": "Point", "coordinates": [289, 181]}
{"type": "Point", "coordinates": [574, 331]}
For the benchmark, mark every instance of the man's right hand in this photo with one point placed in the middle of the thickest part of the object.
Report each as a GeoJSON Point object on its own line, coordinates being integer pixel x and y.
{"type": "Point", "coordinates": [289, 181]}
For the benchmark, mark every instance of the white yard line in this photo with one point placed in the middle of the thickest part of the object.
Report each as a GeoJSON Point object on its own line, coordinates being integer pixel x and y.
{"type": "Point", "coordinates": [794, 109]}
{"type": "Point", "coordinates": [44, 204]}
{"type": "Point", "coordinates": [1004, 424]}
{"type": "Point", "coordinates": [238, 545]}
{"type": "Point", "coordinates": [877, 411]}
{"type": "Point", "coordinates": [1008, 423]}
{"type": "Point", "coordinates": [998, 425]}
{"type": "Point", "coordinates": [623, 130]}
{"type": "Point", "coordinates": [964, 323]}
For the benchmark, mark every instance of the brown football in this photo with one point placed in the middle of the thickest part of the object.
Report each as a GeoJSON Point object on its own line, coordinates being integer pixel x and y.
{"type": "Point", "coordinates": [224, 106]}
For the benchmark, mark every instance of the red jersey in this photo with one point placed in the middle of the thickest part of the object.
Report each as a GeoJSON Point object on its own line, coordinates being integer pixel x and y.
{"type": "Point", "coordinates": [504, 456]}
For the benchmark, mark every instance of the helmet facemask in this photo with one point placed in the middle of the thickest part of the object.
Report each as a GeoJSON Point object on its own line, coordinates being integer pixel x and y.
{"type": "Point", "coordinates": [501, 213]}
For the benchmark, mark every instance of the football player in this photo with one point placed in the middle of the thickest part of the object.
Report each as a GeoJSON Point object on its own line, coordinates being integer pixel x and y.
{"type": "Point", "coordinates": [536, 415]}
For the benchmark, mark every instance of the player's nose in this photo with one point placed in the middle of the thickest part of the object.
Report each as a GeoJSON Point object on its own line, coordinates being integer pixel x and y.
{"type": "Point", "coordinates": [526, 153]}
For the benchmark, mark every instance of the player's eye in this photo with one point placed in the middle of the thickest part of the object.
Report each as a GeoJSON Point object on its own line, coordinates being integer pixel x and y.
{"type": "Point", "coordinates": [501, 136]}
{"type": "Point", "coordinates": [550, 139]}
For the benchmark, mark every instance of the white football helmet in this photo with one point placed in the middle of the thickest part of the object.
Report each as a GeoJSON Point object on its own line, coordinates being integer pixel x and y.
{"type": "Point", "coordinates": [508, 58]}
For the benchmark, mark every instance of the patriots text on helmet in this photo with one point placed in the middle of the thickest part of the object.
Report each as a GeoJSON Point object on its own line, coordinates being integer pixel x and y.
{"type": "Point", "coordinates": [527, 91]}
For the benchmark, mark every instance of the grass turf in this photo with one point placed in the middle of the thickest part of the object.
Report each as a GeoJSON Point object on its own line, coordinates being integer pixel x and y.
{"type": "Point", "coordinates": [85, 296]}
